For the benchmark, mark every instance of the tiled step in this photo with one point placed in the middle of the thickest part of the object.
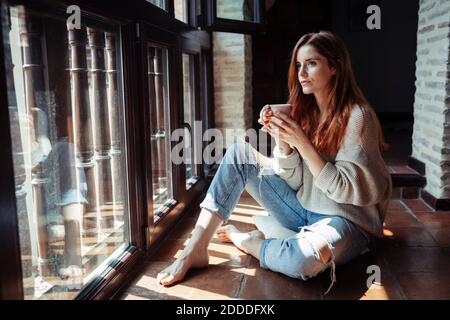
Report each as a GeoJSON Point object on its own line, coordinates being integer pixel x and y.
{"type": "Point", "coordinates": [406, 182]}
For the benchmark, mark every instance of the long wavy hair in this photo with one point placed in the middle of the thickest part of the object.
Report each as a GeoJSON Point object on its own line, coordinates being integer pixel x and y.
{"type": "Point", "coordinates": [328, 136]}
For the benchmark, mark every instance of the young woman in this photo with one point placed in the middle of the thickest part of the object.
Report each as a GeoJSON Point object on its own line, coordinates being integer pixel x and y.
{"type": "Point", "coordinates": [330, 186]}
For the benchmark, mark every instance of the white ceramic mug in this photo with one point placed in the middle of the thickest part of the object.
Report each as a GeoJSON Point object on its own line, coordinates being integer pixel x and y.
{"type": "Point", "coordinates": [283, 107]}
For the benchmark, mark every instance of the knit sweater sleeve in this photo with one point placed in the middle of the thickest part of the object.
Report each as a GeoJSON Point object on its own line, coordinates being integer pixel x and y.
{"type": "Point", "coordinates": [358, 176]}
{"type": "Point", "coordinates": [289, 167]}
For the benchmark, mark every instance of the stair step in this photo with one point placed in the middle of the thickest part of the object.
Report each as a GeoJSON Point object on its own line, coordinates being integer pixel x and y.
{"type": "Point", "coordinates": [407, 180]}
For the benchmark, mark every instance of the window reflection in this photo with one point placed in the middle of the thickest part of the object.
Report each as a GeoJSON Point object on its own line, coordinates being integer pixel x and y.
{"type": "Point", "coordinates": [182, 10]}
{"type": "Point", "coordinates": [159, 3]}
{"type": "Point", "coordinates": [68, 146]}
{"type": "Point", "coordinates": [189, 117]}
{"type": "Point", "coordinates": [236, 10]}
{"type": "Point", "coordinates": [160, 129]}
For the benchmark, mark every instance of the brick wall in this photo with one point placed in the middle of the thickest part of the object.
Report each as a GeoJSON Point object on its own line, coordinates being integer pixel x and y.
{"type": "Point", "coordinates": [431, 136]}
{"type": "Point", "coordinates": [232, 67]}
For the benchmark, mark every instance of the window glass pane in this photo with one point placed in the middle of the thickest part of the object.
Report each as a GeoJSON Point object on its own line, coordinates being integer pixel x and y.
{"type": "Point", "coordinates": [159, 3]}
{"type": "Point", "coordinates": [181, 10]}
{"type": "Point", "coordinates": [189, 119]}
{"type": "Point", "coordinates": [160, 128]}
{"type": "Point", "coordinates": [66, 113]}
{"type": "Point", "coordinates": [241, 10]}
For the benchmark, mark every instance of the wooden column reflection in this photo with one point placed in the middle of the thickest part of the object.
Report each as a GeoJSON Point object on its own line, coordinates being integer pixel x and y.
{"type": "Point", "coordinates": [30, 41]}
{"type": "Point", "coordinates": [156, 100]}
{"type": "Point", "coordinates": [81, 119]}
{"type": "Point", "coordinates": [102, 143]}
{"type": "Point", "coordinates": [19, 169]}
{"type": "Point", "coordinates": [115, 127]}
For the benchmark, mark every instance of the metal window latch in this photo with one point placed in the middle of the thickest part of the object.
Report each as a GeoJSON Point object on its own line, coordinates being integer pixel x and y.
{"type": "Point", "coordinates": [158, 134]}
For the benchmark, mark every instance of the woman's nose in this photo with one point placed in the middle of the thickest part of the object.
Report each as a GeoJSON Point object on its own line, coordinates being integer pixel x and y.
{"type": "Point", "coordinates": [302, 71]}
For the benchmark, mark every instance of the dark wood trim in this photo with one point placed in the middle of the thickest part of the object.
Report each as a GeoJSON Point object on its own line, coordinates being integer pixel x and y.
{"type": "Point", "coordinates": [208, 97]}
{"type": "Point", "coordinates": [417, 165]}
{"type": "Point", "coordinates": [140, 10]}
{"type": "Point", "coordinates": [91, 14]}
{"type": "Point", "coordinates": [11, 286]}
{"type": "Point", "coordinates": [208, 81]}
{"type": "Point", "coordinates": [170, 7]}
{"type": "Point", "coordinates": [135, 139]}
{"type": "Point", "coordinates": [198, 111]}
{"type": "Point", "coordinates": [112, 279]}
{"type": "Point", "coordinates": [436, 204]}
{"type": "Point", "coordinates": [131, 269]}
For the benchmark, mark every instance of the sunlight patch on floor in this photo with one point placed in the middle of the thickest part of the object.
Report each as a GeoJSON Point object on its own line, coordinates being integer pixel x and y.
{"type": "Point", "coordinates": [388, 233]}
{"type": "Point", "coordinates": [375, 292]}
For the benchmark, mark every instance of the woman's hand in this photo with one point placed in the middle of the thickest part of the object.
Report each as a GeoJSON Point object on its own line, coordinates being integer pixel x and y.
{"type": "Point", "coordinates": [287, 130]}
{"type": "Point", "coordinates": [266, 116]}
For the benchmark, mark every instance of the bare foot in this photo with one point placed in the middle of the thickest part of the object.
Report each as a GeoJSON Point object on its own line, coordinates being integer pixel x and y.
{"type": "Point", "coordinates": [230, 233]}
{"type": "Point", "coordinates": [71, 271]}
{"type": "Point", "coordinates": [178, 269]}
{"type": "Point", "coordinates": [73, 275]}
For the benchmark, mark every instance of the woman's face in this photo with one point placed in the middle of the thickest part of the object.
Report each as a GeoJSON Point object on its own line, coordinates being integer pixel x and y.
{"type": "Point", "coordinates": [313, 71]}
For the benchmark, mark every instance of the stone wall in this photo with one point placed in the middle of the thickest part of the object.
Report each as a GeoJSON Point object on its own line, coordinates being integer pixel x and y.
{"type": "Point", "coordinates": [232, 67]}
{"type": "Point", "coordinates": [431, 137]}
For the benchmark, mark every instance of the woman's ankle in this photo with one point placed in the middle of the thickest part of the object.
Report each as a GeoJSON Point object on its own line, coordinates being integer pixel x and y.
{"type": "Point", "coordinates": [194, 249]}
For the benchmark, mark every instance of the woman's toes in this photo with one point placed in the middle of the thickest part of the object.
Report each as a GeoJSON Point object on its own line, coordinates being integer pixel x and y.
{"type": "Point", "coordinates": [224, 238]}
{"type": "Point", "coordinates": [166, 279]}
{"type": "Point", "coordinates": [223, 233]}
{"type": "Point", "coordinates": [222, 229]}
{"type": "Point", "coordinates": [71, 271]}
{"type": "Point", "coordinates": [161, 276]}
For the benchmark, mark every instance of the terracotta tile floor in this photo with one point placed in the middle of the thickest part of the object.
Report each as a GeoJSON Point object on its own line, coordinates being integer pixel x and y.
{"type": "Point", "coordinates": [413, 256]}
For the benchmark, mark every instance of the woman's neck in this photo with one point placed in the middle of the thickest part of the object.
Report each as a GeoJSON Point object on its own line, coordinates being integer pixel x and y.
{"type": "Point", "coordinates": [322, 103]}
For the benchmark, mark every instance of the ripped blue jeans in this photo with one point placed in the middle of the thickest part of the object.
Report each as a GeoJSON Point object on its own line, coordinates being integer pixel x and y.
{"type": "Point", "coordinates": [299, 256]}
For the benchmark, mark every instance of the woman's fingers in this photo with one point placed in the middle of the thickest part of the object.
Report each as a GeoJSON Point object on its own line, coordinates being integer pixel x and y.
{"type": "Point", "coordinates": [277, 124]}
{"type": "Point", "coordinates": [267, 113]}
{"type": "Point", "coordinates": [277, 121]}
{"type": "Point", "coordinates": [263, 111]}
{"type": "Point", "coordinates": [284, 117]}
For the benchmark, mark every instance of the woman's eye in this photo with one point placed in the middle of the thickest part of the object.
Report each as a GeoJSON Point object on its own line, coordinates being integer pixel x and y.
{"type": "Point", "coordinates": [312, 63]}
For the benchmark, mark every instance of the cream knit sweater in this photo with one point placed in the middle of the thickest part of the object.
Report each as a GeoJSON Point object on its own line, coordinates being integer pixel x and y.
{"type": "Point", "coordinates": [355, 185]}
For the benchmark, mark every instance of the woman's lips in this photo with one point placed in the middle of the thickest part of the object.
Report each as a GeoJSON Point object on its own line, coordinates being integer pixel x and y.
{"type": "Point", "coordinates": [305, 82]}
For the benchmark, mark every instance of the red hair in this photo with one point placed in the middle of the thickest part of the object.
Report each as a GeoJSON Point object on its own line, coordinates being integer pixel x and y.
{"type": "Point", "coordinates": [344, 93]}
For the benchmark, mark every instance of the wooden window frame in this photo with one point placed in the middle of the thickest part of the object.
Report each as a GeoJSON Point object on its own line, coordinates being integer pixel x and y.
{"type": "Point", "coordinates": [144, 236]}
{"type": "Point", "coordinates": [214, 23]}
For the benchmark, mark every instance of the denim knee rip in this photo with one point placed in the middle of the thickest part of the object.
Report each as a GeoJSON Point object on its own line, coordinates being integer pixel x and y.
{"type": "Point", "coordinates": [318, 245]}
